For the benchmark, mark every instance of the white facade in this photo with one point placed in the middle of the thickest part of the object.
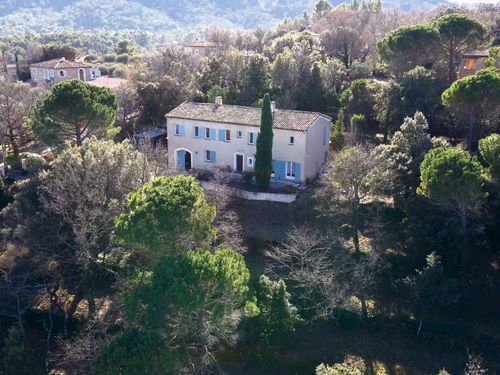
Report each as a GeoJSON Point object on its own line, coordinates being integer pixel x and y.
{"type": "Point", "coordinates": [198, 144]}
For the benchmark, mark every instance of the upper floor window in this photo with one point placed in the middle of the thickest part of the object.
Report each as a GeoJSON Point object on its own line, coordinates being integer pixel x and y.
{"type": "Point", "coordinates": [207, 133]}
{"type": "Point", "coordinates": [251, 138]}
{"type": "Point", "coordinates": [196, 132]}
{"type": "Point", "coordinates": [228, 135]}
{"type": "Point", "coordinates": [179, 129]}
{"type": "Point", "coordinates": [239, 134]}
{"type": "Point", "coordinates": [35, 71]}
{"type": "Point", "coordinates": [291, 141]}
{"type": "Point", "coordinates": [62, 73]}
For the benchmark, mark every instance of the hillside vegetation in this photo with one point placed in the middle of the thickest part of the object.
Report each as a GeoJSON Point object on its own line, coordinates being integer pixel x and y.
{"type": "Point", "coordinates": [42, 16]}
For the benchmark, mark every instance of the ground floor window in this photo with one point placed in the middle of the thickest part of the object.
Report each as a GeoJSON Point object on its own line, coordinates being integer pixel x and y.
{"type": "Point", "coordinates": [250, 161]}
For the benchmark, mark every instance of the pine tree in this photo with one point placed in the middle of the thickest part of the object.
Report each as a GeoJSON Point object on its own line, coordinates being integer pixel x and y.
{"type": "Point", "coordinates": [337, 137]}
{"type": "Point", "coordinates": [264, 155]}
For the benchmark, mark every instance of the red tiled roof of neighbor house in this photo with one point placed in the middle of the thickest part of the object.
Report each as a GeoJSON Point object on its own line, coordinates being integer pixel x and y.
{"type": "Point", "coordinates": [110, 82]}
{"type": "Point", "coordinates": [60, 63]}
{"type": "Point", "coordinates": [250, 116]}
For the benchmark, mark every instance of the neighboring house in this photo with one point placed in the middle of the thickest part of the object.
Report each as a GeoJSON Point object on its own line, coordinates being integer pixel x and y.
{"type": "Point", "coordinates": [203, 136]}
{"type": "Point", "coordinates": [472, 62]}
{"type": "Point", "coordinates": [200, 48]}
{"type": "Point", "coordinates": [112, 83]}
{"type": "Point", "coordinates": [58, 70]}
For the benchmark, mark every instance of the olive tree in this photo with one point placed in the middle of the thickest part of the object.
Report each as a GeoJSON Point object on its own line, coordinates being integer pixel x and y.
{"type": "Point", "coordinates": [81, 195]}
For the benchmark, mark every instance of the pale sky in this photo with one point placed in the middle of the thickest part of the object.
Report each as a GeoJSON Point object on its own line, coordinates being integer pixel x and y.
{"type": "Point", "coordinates": [475, 1]}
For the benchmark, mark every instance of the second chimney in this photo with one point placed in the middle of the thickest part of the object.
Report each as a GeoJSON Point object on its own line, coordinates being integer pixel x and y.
{"type": "Point", "coordinates": [218, 101]}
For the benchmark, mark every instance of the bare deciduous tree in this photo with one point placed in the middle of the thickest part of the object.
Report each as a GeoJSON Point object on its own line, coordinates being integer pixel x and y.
{"type": "Point", "coordinates": [323, 274]}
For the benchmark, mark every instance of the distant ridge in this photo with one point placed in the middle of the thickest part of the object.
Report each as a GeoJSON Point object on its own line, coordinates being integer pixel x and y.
{"type": "Point", "coordinates": [43, 16]}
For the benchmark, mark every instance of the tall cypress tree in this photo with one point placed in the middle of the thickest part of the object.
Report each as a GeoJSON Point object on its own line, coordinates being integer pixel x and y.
{"type": "Point", "coordinates": [264, 155]}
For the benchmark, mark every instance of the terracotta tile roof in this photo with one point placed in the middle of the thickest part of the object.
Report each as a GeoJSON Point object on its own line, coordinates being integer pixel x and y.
{"type": "Point", "coordinates": [60, 63]}
{"type": "Point", "coordinates": [477, 53]}
{"type": "Point", "coordinates": [109, 82]}
{"type": "Point", "coordinates": [201, 43]}
{"type": "Point", "coordinates": [250, 116]}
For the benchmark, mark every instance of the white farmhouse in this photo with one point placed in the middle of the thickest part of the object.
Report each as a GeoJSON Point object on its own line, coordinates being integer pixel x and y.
{"type": "Point", "coordinates": [204, 136]}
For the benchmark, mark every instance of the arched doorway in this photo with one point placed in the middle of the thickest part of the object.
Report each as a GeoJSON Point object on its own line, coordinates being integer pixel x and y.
{"type": "Point", "coordinates": [81, 75]}
{"type": "Point", "coordinates": [184, 159]}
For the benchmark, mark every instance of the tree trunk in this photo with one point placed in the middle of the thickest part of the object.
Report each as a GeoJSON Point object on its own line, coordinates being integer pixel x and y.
{"type": "Point", "coordinates": [364, 309]}
{"type": "Point", "coordinates": [471, 130]}
{"type": "Point", "coordinates": [355, 236]}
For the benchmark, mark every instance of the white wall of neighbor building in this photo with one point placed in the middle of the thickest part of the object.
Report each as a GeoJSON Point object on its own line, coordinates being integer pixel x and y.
{"type": "Point", "coordinates": [307, 149]}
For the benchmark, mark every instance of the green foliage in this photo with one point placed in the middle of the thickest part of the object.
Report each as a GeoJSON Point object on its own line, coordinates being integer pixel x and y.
{"type": "Point", "coordinates": [489, 148]}
{"type": "Point", "coordinates": [493, 61]}
{"type": "Point", "coordinates": [322, 8]}
{"type": "Point", "coordinates": [360, 98]}
{"type": "Point", "coordinates": [255, 77]}
{"type": "Point", "coordinates": [74, 111]}
{"type": "Point", "coordinates": [277, 316]}
{"type": "Point", "coordinates": [216, 91]}
{"type": "Point", "coordinates": [166, 216]}
{"type": "Point", "coordinates": [388, 108]}
{"type": "Point", "coordinates": [408, 46]}
{"type": "Point", "coordinates": [122, 59]}
{"type": "Point", "coordinates": [136, 352]}
{"type": "Point", "coordinates": [155, 99]}
{"type": "Point", "coordinates": [109, 58]}
{"type": "Point", "coordinates": [264, 153]}
{"type": "Point", "coordinates": [420, 91]}
{"type": "Point", "coordinates": [338, 133]}
{"type": "Point", "coordinates": [456, 34]}
{"type": "Point", "coordinates": [124, 47]}
{"type": "Point", "coordinates": [471, 98]}
{"type": "Point", "coordinates": [430, 289]}
{"type": "Point", "coordinates": [451, 176]}
{"type": "Point", "coordinates": [194, 301]}
{"type": "Point", "coordinates": [17, 357]}
{"type": "Point", "coordinates": [52, 51]}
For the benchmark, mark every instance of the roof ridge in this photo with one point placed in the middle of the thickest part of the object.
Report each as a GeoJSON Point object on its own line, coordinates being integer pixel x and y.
{"type": "Point", "coordinates": [257, 108]}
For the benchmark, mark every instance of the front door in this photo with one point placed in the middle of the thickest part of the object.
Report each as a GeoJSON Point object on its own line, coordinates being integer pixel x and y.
{"type": "Point", "coordinates": [187, 161]}
{"type": "Point", "coordinates": [239, 163]}
{"type": "Point", "coordinates": [81, 74]}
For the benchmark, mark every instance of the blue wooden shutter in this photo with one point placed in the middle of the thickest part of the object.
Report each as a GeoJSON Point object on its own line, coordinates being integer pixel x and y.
{"type": "Point", "coordinates": [212, 156]}
{"type": "Point", "coordinates": [297, 172]}
{"type": "Point", "coordinates": [281, 169]}
{"type": "Point", "coordinates": [182, 131]}
{"type": "Point", "coordinates": [212, 133]}
{"type": "Point", "coordinates": [222, 135]}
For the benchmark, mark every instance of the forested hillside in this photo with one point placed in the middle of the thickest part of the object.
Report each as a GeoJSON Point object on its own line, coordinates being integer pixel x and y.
{"type": "Point", "coordinates": [41, 16]}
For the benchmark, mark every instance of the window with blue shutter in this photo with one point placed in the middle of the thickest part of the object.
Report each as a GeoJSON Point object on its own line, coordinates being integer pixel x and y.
{"type": "Point", "coordinates": [179, 130]}
{"type": "Point", "coordinates": [212, 134]}
{"type": "Point", "coordinates": [206, 133]}
{"type": "Point", "coordinates": [210, 156]}
{"type": "Point", "coordinates": [222, 135]}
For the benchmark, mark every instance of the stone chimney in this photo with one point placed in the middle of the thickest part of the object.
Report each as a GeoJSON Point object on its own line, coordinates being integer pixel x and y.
{"type": "Point", "coordinates": [218, 101]}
